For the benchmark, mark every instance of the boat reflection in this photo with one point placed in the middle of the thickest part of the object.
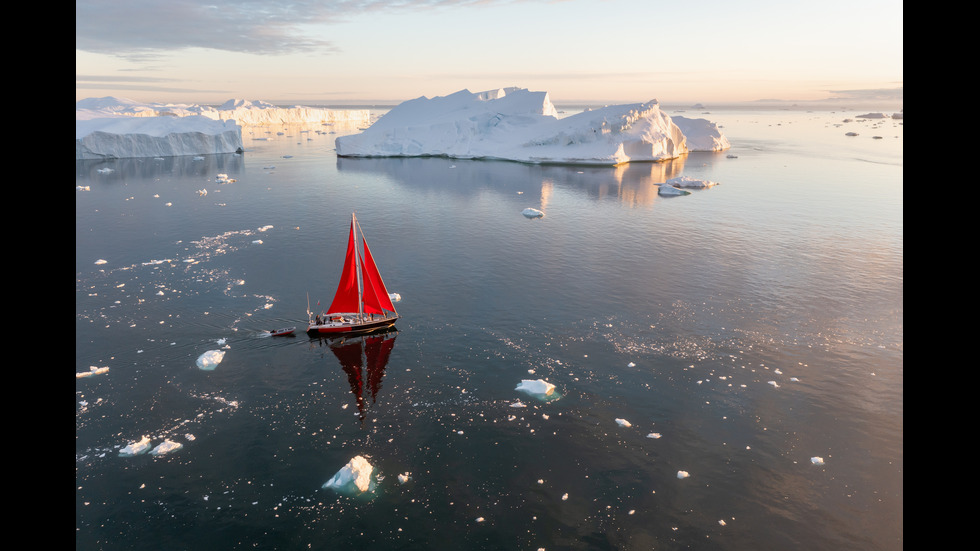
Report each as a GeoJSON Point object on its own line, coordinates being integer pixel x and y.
{"type": "Point", "coordinates": [364, 359]}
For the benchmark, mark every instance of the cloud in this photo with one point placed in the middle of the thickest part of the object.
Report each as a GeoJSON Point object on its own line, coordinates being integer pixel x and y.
{"type": "Point", "coordinates": [142, 29]}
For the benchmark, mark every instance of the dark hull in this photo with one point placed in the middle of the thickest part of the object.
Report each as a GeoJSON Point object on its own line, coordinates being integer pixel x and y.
{"type": "Point", "coordinates": [351, 328]}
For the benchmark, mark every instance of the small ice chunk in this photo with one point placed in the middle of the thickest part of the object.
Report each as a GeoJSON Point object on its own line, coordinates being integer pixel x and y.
{"type": "Point", "coordinates": [101, 261]}
{"type": "Point", "coordinates": [210, 359]}
{"type": "Point", "coordinates": [355, 474]}
{"type": "Point", "coordinates": [532, 213]}
{"type": "Point", "coordinates": [538, 387]}
{"type": "Point", "coordinates": [93, 370]}
{"type": "Point", "coordinates": [816, 460]}
{"type": "Point", "coordinates": [774, 383]}
{"type": "Point", "coordinates": [166, 447]}
{"type": "Point", "coordinates": [669, 190]}
{"type": "Point", "coordinates": [518, 404]}
{"type": "Point", "coordinates": [654, 435]}
{"type": "Point", "coordinates": [682, 474]}
{"type": "Point", "coordinates": [623, 423]}
{"type": "Point", "coordinates": [689, 182]}
{"type": "Point", "coordinates": [395, 297]}
{"type": "Point", "coordinates": [403, 477]}
{"type": "Point", "coordinates": [564, 497]}
{"type": "Point", "coordinates": [631, 364]}
{"type": "Point", "coordinates": [136, 448]}
{"type": "Point", "coordinates": [721, 522]}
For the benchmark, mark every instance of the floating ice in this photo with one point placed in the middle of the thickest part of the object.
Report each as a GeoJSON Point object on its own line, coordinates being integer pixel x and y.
{"type": "Point", "coordinates": [816, 460]}
{"type": "Point", "coordinates": [532, 213]}
{"type": "Point", "coordinates": [518, 404]}
{"type": "Point", "coordinates": [404, 477]}
{"type": "Point", "coordinates": [539, 387]}
{"type": "Point", "coordinates": [623, 423]}
{"type": "Point", "coordinates": [682, 474]}
{"type": "Point", "coordinates": [689, 182]}
{"type": "Point", "coordinates": [210, 359]}
{"type": "Point", "coordinates": [93, 370]}
{"type": "Point", "coordinates": [395, 297]}
{"type": "Point", "coordinates": [166, 447]}
{"type": "Point", "coordinates": [654, 435]}
{"type": "Point", "coordinates": [101, 261]}
{"type": "Point", "coordinates": [136, 448]}
{"type": "Point", "coordinates": [354, 477]}
{"type": "Point", "coordinates": [670, 191]}
{"type": "Point", "coordinates": [521, 125]}
{"type": "Point", "coordinates": [117, 127]}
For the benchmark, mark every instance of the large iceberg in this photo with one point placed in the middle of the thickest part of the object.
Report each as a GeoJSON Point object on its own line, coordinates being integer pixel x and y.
{"type": "Point", "coordinates": [520, 125]}
{"type": "Point", "coordinates": [111, 127]}
{"type": "Point", "coordinates": [123, 137]}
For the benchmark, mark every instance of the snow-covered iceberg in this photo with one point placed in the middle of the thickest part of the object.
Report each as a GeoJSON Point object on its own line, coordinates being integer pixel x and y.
{"type": "Point", "coordinates": [520, 125]}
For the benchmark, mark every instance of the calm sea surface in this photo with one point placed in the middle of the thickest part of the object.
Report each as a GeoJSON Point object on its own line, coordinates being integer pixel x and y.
{"type": "Point", "coordinates": [742, 332]}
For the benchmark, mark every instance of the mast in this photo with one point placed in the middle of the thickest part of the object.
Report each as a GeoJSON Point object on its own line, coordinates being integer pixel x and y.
{"type": "Point", "coordinates": [357, 261]}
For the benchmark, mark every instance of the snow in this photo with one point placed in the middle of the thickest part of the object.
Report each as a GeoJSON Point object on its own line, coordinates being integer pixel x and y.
{"type": "Point", "coordinates": [113, 127]}
{"type": "Point", "coordinates": [520, 125]}
{"type": "Point", "coordinates": [355, 475]}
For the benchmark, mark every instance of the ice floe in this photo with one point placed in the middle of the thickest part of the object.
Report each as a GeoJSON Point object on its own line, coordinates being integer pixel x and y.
{"type": "Point", "coordinates": [532, 213]}
{"type": "Point", "coordinates": [683, 474]}
{"type": "Point", "coordinates": [354, 477]}
{"type": "Point", "coordinates": [538, 387]}
{"type": "Point", "coordinates": [136, 448]}
{"type": "Point", "coordinates": [210, 359]}
{"type": "Point", "coordinates": [816, 460]}
{"type": "Point", "coordinates": [623, 423]}
{"type": "Point", "coordinates": [93, 370]}
{"type": "Point", "coordinates": [166, 447]}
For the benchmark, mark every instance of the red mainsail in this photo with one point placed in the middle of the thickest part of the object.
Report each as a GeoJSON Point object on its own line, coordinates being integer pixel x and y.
{"type": "Point", "coordinates": [345, 301]}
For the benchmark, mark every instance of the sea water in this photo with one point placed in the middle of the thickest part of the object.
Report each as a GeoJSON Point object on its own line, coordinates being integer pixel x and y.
{"type": "Point", "coordinates": [749, 336]}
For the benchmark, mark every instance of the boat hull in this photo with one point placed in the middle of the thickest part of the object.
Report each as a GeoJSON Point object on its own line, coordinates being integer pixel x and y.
{"type": "Point", "coordinates": [351, 328]}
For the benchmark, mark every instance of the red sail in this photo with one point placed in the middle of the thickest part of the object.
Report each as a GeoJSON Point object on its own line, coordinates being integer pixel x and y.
{"type": "Point", "coordinates": [345, 301]}
{"type": "Point", "coordinates": [372, 280]}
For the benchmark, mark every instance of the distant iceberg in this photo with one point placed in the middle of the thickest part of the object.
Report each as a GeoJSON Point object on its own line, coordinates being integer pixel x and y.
{"type": "Point", "coordinates": [520, 125]}
{"type": "Point", "coordinates": [115, 128]}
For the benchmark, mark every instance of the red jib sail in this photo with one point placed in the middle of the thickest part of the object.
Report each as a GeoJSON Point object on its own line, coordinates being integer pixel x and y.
{"type": "Point", "coordinates": [345, 301]}
{"type": "Point", "coordinates": [372, 280]}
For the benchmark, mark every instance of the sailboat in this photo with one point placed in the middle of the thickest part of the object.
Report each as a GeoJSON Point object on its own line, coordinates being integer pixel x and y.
{"type": "Point", "coordinates": [361, 304]}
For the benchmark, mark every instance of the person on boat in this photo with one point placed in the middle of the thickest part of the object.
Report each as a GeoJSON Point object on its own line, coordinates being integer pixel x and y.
{"type": "Point", "coordinates": [318, 322]}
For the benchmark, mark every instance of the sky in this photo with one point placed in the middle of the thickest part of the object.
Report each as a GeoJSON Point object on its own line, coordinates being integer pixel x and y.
{"type": "Point", "coordinates": [332, 52]}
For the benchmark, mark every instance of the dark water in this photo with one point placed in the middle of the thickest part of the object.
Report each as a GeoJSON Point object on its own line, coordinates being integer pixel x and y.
{"type": "Point", "coordinates": [753, 326]}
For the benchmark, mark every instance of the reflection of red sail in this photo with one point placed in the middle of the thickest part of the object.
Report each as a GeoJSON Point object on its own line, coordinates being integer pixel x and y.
{"type": "Point", "coordinates": [372, 352]}
{"type": "Point", "coordinates": [377, 350]}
